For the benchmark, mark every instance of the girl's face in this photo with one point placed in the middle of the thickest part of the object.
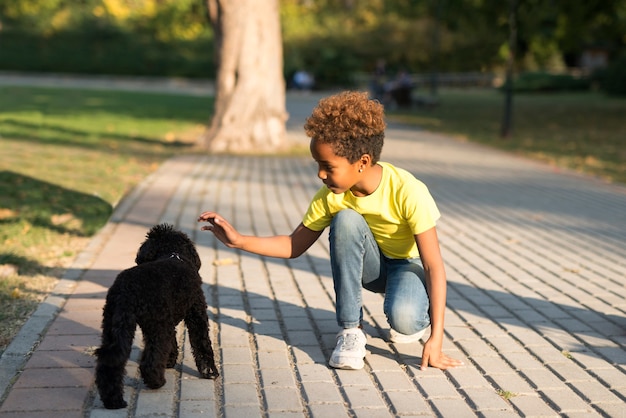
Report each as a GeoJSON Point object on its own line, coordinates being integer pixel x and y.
{"type": "Point", "coordinates": [336, 172]}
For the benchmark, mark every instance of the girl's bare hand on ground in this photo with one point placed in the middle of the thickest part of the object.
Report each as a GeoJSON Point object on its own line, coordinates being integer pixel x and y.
{"type": "Point", "coordinates": [220, 228]}
{"type": "Point", "coordinates": [436, 358]}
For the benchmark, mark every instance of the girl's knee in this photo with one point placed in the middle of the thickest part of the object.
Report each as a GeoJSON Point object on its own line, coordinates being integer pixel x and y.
{"type": "Point", "coordinates": [346, 224]}
{"type": "Point", "coordinates": [407, 318]}
{"type": "Point", "coordinates": [345, 218]}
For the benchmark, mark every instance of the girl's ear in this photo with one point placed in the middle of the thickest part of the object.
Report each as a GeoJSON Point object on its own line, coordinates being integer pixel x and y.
{"type": "Point", "coordinates": [365, 160]}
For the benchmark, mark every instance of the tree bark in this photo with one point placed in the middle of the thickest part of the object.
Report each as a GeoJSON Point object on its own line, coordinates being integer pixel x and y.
{"type": "Point", "coordinates": [250, 110]}
{"type": "Point", "coordinates": [507, 119]}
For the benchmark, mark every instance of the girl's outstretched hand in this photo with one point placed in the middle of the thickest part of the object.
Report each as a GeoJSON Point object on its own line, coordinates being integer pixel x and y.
{"type": "Point", "coordinates": [220, 228]}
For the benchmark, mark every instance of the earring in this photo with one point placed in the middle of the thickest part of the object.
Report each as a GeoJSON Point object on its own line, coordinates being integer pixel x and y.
{"type": "Point", "coordinates": [360, 170]}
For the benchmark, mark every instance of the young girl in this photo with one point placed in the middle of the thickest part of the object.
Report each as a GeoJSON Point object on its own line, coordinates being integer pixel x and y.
{"type": "Point", "coordinates": [382, 232]}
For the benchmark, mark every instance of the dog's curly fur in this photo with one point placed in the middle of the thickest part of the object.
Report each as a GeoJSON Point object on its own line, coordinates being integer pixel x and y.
{"type": "Point", "coordinates": [162, 290]}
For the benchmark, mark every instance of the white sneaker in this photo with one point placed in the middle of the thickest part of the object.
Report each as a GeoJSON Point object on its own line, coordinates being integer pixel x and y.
{"type": "Point", "coordinates": [399, 338]}
{"type": "Point", "coordinates": [350, 350]}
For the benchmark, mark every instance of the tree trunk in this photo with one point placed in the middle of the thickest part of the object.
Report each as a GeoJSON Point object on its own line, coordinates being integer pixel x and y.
{"type": "Point", "coordinates": [507, 119]}
{"type": "Point", "coordinates": [250, 110]}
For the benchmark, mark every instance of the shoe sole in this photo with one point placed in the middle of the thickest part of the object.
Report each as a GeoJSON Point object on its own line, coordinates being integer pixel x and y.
{"type": "Point", "coordinates": [346, 366]}
{"type": "Point", "coordinates": [404, 339]}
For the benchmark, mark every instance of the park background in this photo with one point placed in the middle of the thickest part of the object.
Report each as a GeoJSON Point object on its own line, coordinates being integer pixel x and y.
{"type": "Point", "coordinates": [579, 43]}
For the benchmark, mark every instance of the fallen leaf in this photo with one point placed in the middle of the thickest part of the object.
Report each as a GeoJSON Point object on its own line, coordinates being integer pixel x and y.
{"type": "Point", "coordinates": [224, 262]}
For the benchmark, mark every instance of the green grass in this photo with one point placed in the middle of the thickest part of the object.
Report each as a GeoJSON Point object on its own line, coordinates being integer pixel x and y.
{"type": "Point", "coordinates": [505, 394]}
{"type": "Point", "coordinates": [585, 132]}
{"type": "Point", "coordinates": [68, 157]}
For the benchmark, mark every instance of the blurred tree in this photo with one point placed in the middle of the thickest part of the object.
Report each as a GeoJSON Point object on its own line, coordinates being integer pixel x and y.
{"type": "Point", "coordinates": [507, 120]}
{"type": "Point", "coordinates": [331, 38]}
{"type": "Point", "coordinates": [250, 110]}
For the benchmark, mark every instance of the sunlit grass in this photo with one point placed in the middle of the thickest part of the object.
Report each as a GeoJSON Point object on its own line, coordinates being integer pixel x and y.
{"type": "Point", "coordinates": [585, 132]}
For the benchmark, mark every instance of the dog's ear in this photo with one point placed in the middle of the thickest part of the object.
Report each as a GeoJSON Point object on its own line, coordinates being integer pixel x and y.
{"type": "Point", "coordinates": [188, 250]}
{"type": "Point", "coordinates": [195, 257]}
{"type": "Point", "coordinates": [149, 249]}
{"type": "Point", "coordinates": [146, 253]}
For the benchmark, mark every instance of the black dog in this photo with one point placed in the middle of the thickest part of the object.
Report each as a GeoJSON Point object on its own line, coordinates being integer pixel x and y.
{"type": "Point", "coordinates": [162, 290]}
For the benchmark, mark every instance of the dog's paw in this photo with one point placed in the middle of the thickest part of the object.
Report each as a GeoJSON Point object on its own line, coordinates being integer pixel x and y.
{"type": "Point", "coordinates": [117, 403]}
{"type": "Point", "coordinates": [209, 372]}
{"type": "Point", "coordinates": [155, 383]}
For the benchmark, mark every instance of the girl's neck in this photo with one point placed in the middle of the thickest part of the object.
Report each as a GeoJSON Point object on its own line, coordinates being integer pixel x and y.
{"type": "Point", "coordinates": [369, 182]}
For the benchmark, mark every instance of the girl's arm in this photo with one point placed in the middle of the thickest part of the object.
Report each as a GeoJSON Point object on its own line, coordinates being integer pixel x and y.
{"type": "Point", "coordinates": [280, 246]}
{"type": "Point", "coordinates": [430, 254]}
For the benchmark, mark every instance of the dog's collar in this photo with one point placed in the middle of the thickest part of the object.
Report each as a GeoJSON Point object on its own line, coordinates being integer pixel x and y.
{"type": "Point", "coordinates": [175, 255]}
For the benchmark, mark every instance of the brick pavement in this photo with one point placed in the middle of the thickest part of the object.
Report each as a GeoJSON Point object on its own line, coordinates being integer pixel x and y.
{"type": "Point", "coordinates": [536, 263]}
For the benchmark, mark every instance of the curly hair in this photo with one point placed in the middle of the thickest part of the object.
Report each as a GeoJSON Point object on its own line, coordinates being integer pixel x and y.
{"type": "Point", "coordinates": [351, 123]}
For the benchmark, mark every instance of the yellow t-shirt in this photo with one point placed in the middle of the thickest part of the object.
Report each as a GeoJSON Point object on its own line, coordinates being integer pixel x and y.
{"type": "Point", "coordinates": [400, 208]}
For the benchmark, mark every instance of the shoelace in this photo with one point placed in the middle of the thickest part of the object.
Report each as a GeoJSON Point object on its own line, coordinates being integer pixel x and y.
{"type": "Point", "coordinates": [349, 341]}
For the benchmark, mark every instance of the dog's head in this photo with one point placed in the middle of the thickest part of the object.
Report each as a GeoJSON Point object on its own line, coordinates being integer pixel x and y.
{"type": "Point", "coordinates": [163, 241]}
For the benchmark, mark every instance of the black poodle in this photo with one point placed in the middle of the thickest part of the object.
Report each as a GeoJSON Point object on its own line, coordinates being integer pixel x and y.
{"type": "Point", "coordinates": [162, 290]}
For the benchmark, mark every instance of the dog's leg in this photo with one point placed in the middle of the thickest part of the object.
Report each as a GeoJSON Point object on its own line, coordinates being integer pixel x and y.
{"type": "Point", "coordinates": [173, 356]}
{"type": "Point", "coordinates": [110, 383]}
{"type": "Point", "coordinates": [118, 331]}
{"type": "Point", "coordinates": [157, 340]}
{"type": "Point", "coordinates": [197, 323]}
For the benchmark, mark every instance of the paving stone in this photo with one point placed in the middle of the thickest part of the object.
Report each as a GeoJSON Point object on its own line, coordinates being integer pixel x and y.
{"type": "Point", "coordinates": [277, 378]}
{"type": "Point", "coordinates": [197, 409]}
{"type": "Point", "coordinates": [236, 355]}
{"type": "Point", "coordinates": [282, 399]}
{"type": "Point", "coordinates": [369, 412]}
{"type": "Point", "coordinates": [237, 411]}
{"type": "Point", "coordinates": [44, 399]}
{"type": "Point", "coordinates": [309, 355]}
{"type": "Point", "coordinates": [154, 403]}
{"type": "Point", "coordinates": [60, 359]}
{"type": "Point", "coordinates": [437, 386]}
{"type": "Point", "coordinates": [42, 414]}
{"type": "Point", "coordinates": [408, 403]}
{"type": "Point", "coordinates": [321, 392]}
{"type": "Point", "coordinates": [239, 373]}
{"type": "Point", "coordinates": [57, 377]}
{"type": "Point", "coordinates": [485, 399]}
{"type": "Point", "coordinates": [328, 410]}
{"type": "Point", "coordinates": [197, 389]}
{"type": "Point", "coordinates": [566, 400]}
{"type": "Point", "coordinates": [241, 393]}
{"type": "Point", "coordinates": [364, 396]}
{"type": "Point", "coordinates": [452, 408]}
{"type": "Point", "coordinates": [395, 381]}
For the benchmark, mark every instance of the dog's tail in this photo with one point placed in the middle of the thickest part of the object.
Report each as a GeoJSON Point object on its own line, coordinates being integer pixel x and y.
{"type": "Point", "coordinates": [118, 331]}
{"type": "Point", "coordinates": [119, 323]}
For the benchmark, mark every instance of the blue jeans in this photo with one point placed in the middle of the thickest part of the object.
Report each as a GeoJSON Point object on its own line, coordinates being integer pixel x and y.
{"type": "Point", "coordinates": [356, 262]}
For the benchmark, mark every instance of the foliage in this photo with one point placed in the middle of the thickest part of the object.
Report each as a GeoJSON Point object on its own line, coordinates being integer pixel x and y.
{"type": "Point", "coordinates": [165, 38]}
{"type": "Point", "coordinates": [613, 79]}
{"type": "Point", "coordinates": [163, 19]}
{"type": "Point", "coordinates": [105, 50]}
{"type": "Point", "coordinates": [548, 82]}
{"type": "Point", "coordinates": [328, 37]}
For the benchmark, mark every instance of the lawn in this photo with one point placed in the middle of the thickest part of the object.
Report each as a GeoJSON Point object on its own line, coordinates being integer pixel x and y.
{"type": "Point", "coordinates": [585, 132]}
{"type": "Point", "coordinates": [68, 157]}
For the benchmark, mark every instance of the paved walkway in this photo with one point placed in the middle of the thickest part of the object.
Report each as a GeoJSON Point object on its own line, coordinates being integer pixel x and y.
{"type": "Point", "coordinates": [536, 262]}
